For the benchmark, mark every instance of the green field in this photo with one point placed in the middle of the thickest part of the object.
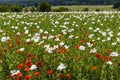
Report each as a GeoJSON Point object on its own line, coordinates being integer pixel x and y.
{"type": "Point", "coordinates": [60, 46]}
{"type": "Point", "coordinates": [91, 7]}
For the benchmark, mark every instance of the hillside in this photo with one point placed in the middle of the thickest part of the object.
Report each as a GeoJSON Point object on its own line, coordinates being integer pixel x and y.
{"type": "Point", "coordinates": [59, 2]}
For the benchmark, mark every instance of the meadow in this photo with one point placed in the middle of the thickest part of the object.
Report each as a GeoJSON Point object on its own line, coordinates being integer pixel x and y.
{"type": "Point", "coordinates": [60, 46]}
{"type": "Point", "coordinates": [90, 7]}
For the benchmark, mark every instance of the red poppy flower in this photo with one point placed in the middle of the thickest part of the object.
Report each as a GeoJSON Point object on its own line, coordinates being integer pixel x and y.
{"type": "Point", "coordinates": [60, 75]}
{"type": "Point", "coordinates": [28, 77]}
{"type": "Point", "coordinates": [40, 63]}
{"type": "Point", "coordinates": [68, 76]}
{"type": "Point", "coordinates": [76, 47]}
{"type": "Point", "coordinates": [49, 72]}
{"type": "Point", "coordinates": [94, 67]}
{"type": "Point", "coordinates": [11, 76]}
{"type": "Point", "coordinates": [98, 55]}
{"type": "Point", "coordinates": [19, 74]}
{"type": "Point", "coordinates": [17, 41]}
{"type": "Point", "coordinates": [36, 73]}
{"type": "Point", "coordinates": [27, 69]}
{"type": "Point", "coordinates": [20, 66]}
{"type": "Point", "coordinates": [119, 64]}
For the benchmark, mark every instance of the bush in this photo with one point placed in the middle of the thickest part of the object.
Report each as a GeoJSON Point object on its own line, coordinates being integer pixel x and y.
{"type": "Point", "coordinates": [61, 9]}
{"type": "Point", "coordinates": [97, 10]}
{"type": "Point", "coordinates": [85, 9]}
{"type": "Point", "coordinates": [4, 8]}
{"type": "Point", "coordinates": [32, 9]}
{"type": "Point", "coordinates": [116, 5]}
{"type": "Point", "coordinates": [16, 8]}
{"type": "Point", "coordinates": [118, 9]}
{"type": "Point", "coordinates": [44, 7]}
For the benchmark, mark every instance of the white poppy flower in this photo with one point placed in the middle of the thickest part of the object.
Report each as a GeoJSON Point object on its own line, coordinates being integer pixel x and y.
{"type": "Point", "coordinates": [82, 48]}
{"type": "Point", "coordinates": [114, 54]}
{"type": "Point", "coordinates": [61, 66]}
{"type": "Point", "coordinates": [14, 72]}
{"type": "Point", "coordinates": [109, 62]}
{"type": "Point", "coordinates": [33, 67]}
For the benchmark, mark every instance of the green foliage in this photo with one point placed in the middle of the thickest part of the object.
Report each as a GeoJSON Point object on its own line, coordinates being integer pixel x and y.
{"type": "Point", "coordinates": [97, 10]}
{"type": "Point", "coordinates": [32, 9]}
{"type": "Point", "coordinates": [16, 8]}
{"type": "Point", "coordinates": [61, 9]}
{"type": "Point", "coordinates": [85, 9]}
{"type": "Point", "coordinates": [116, 5]}
{"type": "Point", "coordinates": [44, 7]}
{"type": "Point", "coordinates": [118, 9]}
{"type": "Point", "coordinates": [4, 8]}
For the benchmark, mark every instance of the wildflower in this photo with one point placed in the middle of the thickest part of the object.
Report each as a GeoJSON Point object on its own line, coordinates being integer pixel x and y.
{"type": "Point", "coordinates": [71, 36]}
{"type": "Point", "coordinates": [60, 75]}
{"type": "Point", "coordinates": [114, 54]}
{"type": "Point", "coordinates": [118, 64]}
{"type": "Point", "coordinates": [82, 48]}
{"type": "Point", "coordinates": [21, 49]}
{"type": "Point", "coordinates": [61, 43]}
{"type": "Point", "coordinates": [0, 61]}
{"type": "Point", "coordinates": [61, 66]}
{"type": "Point", "coordinates": [68, 76]}
{"type": "Point", "coordinates": [28, 41]}
{"type": "Point", "coordinates": [40, 63]}
{"type": "Point", "coordinates": [33, 67]}
{"type": "Point", "coordinates": [28, 77]}
{"type": "Point", "coordinates": [18, 41]}
{"type": "Point", "coordinates": [19, 74]}
{"type": "Point", "coordinates": [26, 31]}
{"type": "Point", "coordinates": [78, 57]}
{"type": "Point", "coordinates": [91, 35]}
{"type": "Point", "coordinates": [8, 43]}
{"type": "Point", "coordinates": [20, 66]}
{"type": "Point", "coordinates": [11, 76]}
{"type": "Point", "coordinates": [109, 62]}
{"type": "Point", "coordinates": [51, 37]}
{"type": "Point", "coordinates": [27, 69]}
{"type": "Point", "coordinates": [49, 72]}
{"type": "Point", "coordinates": [57, 39]}
{"type": "Point", "coordinates": [93, 50]}
{"type": "Point", "coordinates": [109, 57]}
{"type": "Point", "coordinates": [94, 67]}
{"type": "Point", "coordinates": [14, 72]}
{"type": "Point", "coordinates": [76, 46]}
{"type": "Point", "coordinates": [90, 44]}
{"type": "Point", "coordinates": [103, 33]}
{"type": "Point", "coordinates": [36, 73]}
{"type": "Point", "coordinates": [66, 47]}
{"type": "Point", "coordinates": [114, 43]}
{"type": "Point", "coordinates": [36, 38]}
{"type": "Point", "coordinates": [99, 55]}
{"type": "Point", "coordinates": [4, 39]}
{"type": "Point", "coordinates": [18, 33]}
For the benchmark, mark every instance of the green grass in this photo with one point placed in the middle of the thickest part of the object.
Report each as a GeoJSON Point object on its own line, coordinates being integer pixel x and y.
{"type": "Point", "coordinates": [80, 64]}
{"type": "Point", "coordinates": [91, 7]}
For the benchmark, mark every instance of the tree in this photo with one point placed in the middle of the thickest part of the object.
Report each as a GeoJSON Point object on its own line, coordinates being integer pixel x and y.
{"type": "Point", "coordinates": [116, 5]}
{"type": "Point", "coordinates": [16, 8]}
{"type": "Point", "coordinates": [4, 8]}
{"type": "Point", "coordinates": [85, 9]}
{"type": "Point", "coordinates": [44, 7]}
{"type": "Point", "coordinates": [97, 10]}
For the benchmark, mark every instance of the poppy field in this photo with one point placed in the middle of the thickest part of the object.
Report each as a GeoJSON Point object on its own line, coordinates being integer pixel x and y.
{"type": "Point", "coordinates": [60, 46]}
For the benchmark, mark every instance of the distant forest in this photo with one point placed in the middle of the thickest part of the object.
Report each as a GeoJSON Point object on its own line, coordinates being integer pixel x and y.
{"type": "Point", "coordinates": [58, 2]}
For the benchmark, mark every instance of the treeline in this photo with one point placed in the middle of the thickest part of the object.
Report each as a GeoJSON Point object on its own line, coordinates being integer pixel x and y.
{"type": "Point", "coordinates": [59, 2]}
{"type": "Point", "coordinates": [43, 7]}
